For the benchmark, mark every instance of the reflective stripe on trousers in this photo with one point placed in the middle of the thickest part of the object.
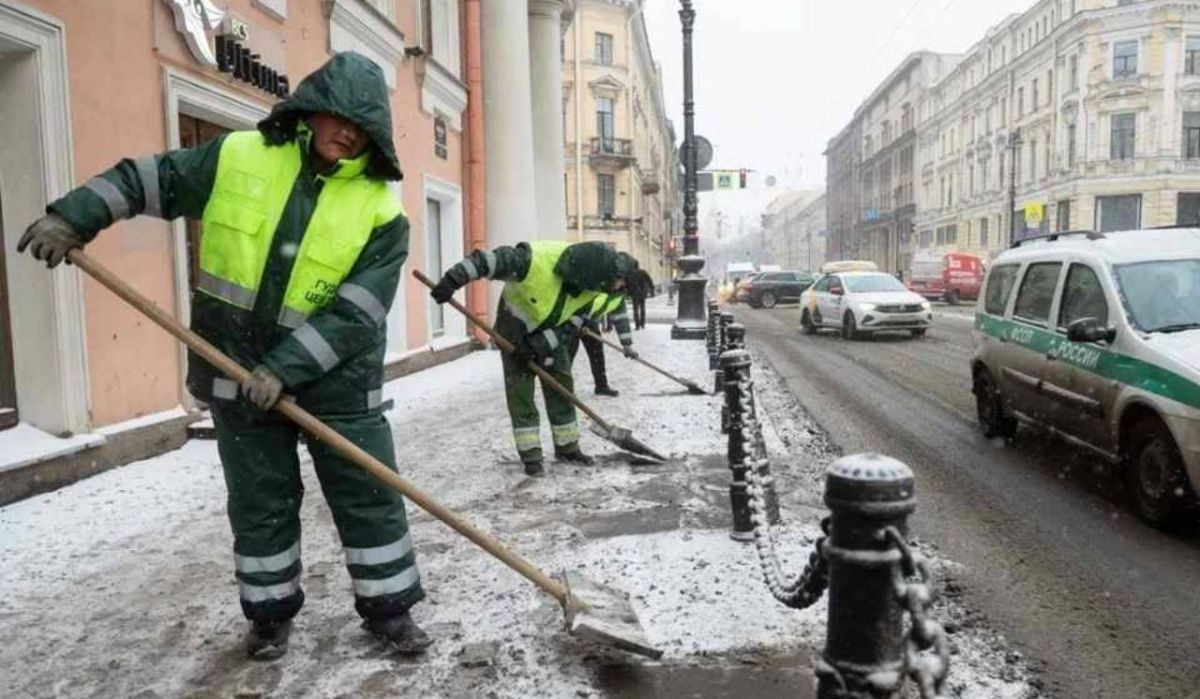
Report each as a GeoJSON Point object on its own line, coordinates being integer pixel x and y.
{"type": "Point", "coordinates": [396, 584]}
{"type": "Point", "coordinates": [527, 438]}
{"type": "Point", "coordinates": [378, 555]}
{"type": "Point", "coordinates": [565, 434]}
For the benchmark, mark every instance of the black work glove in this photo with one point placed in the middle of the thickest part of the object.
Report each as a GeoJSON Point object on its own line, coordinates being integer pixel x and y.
{"type": "Point", "coordinates": [49, 239]}
{"type": "Point", "coordinates": [262, 387]}
{"type": "Point", "coordinates": [629, 351]}
{"type": "Point", "coordinates": [540, 347]}
{"type": "Point", "coordinates": [454, 279]}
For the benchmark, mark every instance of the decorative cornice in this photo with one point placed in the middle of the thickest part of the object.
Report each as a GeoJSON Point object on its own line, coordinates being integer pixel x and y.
{"type": "Point", "coordinates": [374, 31]}
{"type": "Point", "coordinates": [442, 93]}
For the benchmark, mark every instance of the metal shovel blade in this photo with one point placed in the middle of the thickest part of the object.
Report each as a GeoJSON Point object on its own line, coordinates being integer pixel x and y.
{"type": "Point", "coordinates": [604, 615]}
{"type": "Point", "coordinates": [624, 438]}
{"type": "Point", "coordinates": [694, 388]}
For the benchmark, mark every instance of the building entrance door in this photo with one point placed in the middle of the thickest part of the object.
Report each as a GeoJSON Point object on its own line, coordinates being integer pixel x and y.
{"type": "Point", "coordinates": [194, 132]}
{"type": "Point", "coordinates": [8, 383]}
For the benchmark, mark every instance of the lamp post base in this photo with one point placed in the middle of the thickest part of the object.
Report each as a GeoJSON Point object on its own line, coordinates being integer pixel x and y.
{"type": "Point", "coordinates": [690, 323]}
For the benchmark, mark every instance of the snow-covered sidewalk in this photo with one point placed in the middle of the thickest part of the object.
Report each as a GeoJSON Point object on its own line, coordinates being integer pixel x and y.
{"type": "Point", "coordinates": [122, 584]}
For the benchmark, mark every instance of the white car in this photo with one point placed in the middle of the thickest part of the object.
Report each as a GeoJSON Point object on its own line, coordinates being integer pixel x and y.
{"type": "Point", "coordinates": [860, 303]}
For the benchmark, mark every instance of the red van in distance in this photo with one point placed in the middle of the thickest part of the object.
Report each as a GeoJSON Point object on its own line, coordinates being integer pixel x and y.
{"type": "Point", "coordinates": [949, 277]}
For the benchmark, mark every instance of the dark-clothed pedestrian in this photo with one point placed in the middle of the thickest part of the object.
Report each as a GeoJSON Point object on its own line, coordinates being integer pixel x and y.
{"type": "Point", "coordinates": [641, 287]}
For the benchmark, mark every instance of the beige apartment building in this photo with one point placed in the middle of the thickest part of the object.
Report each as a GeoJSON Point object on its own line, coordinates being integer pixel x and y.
{"type": "Point", "coordinates": [794, 230]}
{"type": "Point", "coordinates": [1092, 105]}
{"type": "Point", "coordinates": [621, 184]}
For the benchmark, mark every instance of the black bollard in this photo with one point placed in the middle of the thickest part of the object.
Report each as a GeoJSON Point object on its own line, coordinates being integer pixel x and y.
{"type": "Point", "coordinates": [734, 335]}
{"type": "Point", "coordinates": [744, 436]}
{"type": "Point", "coordinates": [864, 645]}
{"type": "Point", "coordinates": [735, 365]}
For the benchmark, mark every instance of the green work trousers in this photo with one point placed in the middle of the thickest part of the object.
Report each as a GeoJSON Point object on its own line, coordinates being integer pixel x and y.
{"type": "Point", "coordinates": [262, 475]}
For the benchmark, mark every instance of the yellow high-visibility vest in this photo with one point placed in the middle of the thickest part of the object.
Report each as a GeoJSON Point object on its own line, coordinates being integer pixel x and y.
{"type": "Point", "coordinates": [252, 186]}
{"type": "Point", "coordinates": [535, 299]}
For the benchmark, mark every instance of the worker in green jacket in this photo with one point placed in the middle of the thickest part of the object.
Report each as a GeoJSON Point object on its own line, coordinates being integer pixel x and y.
{"type": "Point", "coordinates": [299, 258]}
{"type": "Point", "coordinates": [606, 308]}
{"type": "Point", "coordinates": [546, 284]}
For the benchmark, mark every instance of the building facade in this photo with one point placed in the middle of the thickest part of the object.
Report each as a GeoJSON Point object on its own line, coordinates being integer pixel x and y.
{"type": "Point", "coordinates": [794, 230]}
{"type": "Point", "coordinates": [843, 194]}
{"type": "Point", "coordinates": [885, 164]}
{"type": "Point", "coordinates": [622, 184]}
{"type": "Point", "coordinates": [87, 83]}
{"type": "Point", "coordinates": [1084, 114]}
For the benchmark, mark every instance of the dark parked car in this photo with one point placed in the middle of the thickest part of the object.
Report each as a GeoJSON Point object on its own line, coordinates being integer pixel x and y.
{"type": "Point", "coordinates": [770, 288]}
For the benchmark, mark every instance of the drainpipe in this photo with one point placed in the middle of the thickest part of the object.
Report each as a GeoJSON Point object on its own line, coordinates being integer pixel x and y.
{"type": "Point", "coordinates": [575, 22]}
{"type": "Point", "coordinates": [477, 294]}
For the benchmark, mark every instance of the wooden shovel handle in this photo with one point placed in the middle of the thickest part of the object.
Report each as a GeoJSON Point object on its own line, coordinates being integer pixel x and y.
{"type": "Point", "coordinates": [639, 360]}
{"type": "Point", "coordinates": [288, 407]}
{"type": "Point", "coordinates": [507, 346]}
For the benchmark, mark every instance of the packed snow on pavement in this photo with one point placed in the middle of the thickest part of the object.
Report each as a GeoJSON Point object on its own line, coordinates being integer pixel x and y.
{"type": "Point", "coordinates": [122, 584]}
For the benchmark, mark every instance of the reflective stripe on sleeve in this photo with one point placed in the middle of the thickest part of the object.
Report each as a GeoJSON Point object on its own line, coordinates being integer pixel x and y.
{"type": "Point", "coordinates": [374, 398]}
{"type": "Point", "coordinates": [225, 290]}
{"type": "Point", "coordinates": [224, 389]}
{"type": "Point", "coordinates": [399, 582]}
{"type": "Point", "coordinates": [268, 564]}
{"type": "Point", "coordinates": [551, 338]}
{"type": "Point", "coordinates": [147, 170]}
{"type": "Point", "coordinates": [377, 555]}
{"type": "Point", "coordinates": [317, 346]}
{"type": "Point", "coordinates": [472, 270]}
{"type": "Point", "coordinates": [365, 301]}
{"type": "Point", "coordinates": [626, 338]}
{"type": "Point", "coordinates": [118, 207]}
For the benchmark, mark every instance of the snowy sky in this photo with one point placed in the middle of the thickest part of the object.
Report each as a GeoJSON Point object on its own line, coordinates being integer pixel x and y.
{"type": "Point", "coordinates": [775, 79]}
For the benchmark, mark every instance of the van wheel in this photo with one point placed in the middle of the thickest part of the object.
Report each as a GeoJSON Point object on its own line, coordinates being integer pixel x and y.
{"type": "Point", "coordinates": [989, 409]}
{"type": "Point", "coordinates": [806, 324]}
{"type": "Point", "coordinates": [952, 297]}
{"type": "Point", "coordinates": [849, 328]}
{"type": "Point", "coordinates": [1154, 475]}
{"type": "Point", "coordinates": [919, 332]}
{"type": "Point", "coordinates": [768, 300]}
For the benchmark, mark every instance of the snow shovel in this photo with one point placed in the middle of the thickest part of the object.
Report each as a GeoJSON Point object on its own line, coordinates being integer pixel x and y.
{"type": "Point", "coordinates": [592, 611]}
{"type": "Point", "coordinates": [620, 436]}
{"type": "Point", "coordinates": [691, 386]}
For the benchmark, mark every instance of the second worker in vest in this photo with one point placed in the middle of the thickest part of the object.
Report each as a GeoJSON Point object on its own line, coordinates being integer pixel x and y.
{"type": "Point", "coordinates": [606, 307]}
{"type": "Point", "coordinates": [300, 256]}
{"type": "Point", "coordinates": [546, 284]}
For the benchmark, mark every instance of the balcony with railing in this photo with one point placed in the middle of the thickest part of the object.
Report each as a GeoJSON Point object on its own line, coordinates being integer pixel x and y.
{"type": "Point", "coordinates": [611, 152]}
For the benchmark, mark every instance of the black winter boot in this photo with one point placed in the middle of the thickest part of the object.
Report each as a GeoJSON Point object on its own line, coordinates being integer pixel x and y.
{"type": "Point", "coordinates": [574, 455]}
{"type": "Point", "coordinates": [535, 469]}
{"type": "Point", "coordinates": [268, 640]}
{"type": "Point", "coordinates": [401, 632]}
{"type": "Point", "coordinates": [604, 390]}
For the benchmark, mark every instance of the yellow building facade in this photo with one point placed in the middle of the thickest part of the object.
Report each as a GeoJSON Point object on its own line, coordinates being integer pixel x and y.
{"type": "Point", "coordinates": [1092, 105]}
{"type": "Point", "coordinates": [621, 184]}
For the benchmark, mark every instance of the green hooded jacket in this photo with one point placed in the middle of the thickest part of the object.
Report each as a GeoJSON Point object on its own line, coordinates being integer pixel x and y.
{"type": "Point", "coordinates": [178, 183]}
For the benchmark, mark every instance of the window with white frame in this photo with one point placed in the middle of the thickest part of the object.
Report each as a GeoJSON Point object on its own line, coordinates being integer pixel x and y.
{"type": "Point", "coordinates": [1125, 59]}
{"type": "Point", "coordinates": [1123, 135]}
{"type": "Point", "coordinates": [440, 33]}
{"type": "Point", "coordinates": [606, 195]}
{"type": "Point", "coordinates": [1191, 56]}
{"type": "Point", "coordinates": [1191, 135]}
{"type": "Point", "coordinates": [604, 49]}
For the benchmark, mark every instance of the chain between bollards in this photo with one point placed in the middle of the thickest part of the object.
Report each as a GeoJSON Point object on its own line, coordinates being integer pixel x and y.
{"type": "Point", "coordinates": [879, 634]}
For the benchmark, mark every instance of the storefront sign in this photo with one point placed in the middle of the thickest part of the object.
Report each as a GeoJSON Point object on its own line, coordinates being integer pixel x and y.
{"type": "Point", "coordinates": [196, 20]}
{"type": "Point", "coordinates": [1034, 213]}
{"type": "Point", "coordinates": [439, 138]}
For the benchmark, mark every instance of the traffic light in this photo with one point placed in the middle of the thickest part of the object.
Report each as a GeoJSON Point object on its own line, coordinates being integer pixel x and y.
{"type": "Point", "coordinates": [742, 177]}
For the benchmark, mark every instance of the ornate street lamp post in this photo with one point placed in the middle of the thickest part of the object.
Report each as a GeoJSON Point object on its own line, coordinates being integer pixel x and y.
{"type": "Point", "coordinates": [690, 321]}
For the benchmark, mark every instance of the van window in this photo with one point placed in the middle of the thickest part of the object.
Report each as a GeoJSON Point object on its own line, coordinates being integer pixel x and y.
{"type": "Point", "coordinates": [1037, 293]}
{"type": "Point", "coordinates": [999, 288]}
{"type": "Point", "coordinates": [1083, 297]}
